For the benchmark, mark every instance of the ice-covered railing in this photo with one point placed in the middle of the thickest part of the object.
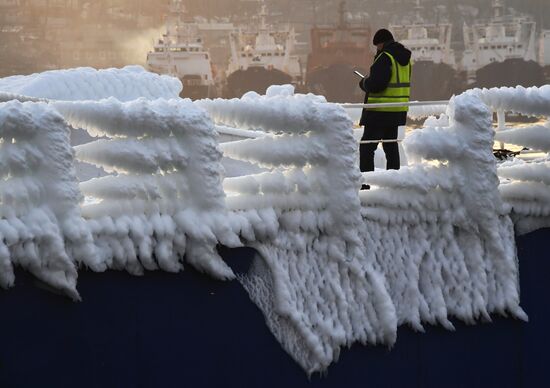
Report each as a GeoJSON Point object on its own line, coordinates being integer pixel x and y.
{"type": "Point", "coordinates": [41, 228]}
{"type": "Point", "coordinates": [417, 109]}
{"type": "Point", "coordinates": [438, 229]}
{"type": "Point", "coordinates": [165, 201]}
{"type": "Point", "coordinates": [525, 184]}
{"type": "Point", "coordinates": [426, 243]}
{"type": "Point", "coordinates": [312, 282]}
{"type": "Point", "coordinates": [126, 84]}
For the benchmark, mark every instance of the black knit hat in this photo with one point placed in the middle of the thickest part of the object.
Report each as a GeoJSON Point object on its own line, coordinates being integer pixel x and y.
{"type": "Point", "coordinates": [382, 36]}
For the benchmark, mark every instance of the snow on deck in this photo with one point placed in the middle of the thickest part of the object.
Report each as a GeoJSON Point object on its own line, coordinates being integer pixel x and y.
{"type": "Point", "coordinates": [429, 242]}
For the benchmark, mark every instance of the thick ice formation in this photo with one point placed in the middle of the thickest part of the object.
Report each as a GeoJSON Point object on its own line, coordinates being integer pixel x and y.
{"type": "Point", "coordinates": [439, 230]}
{"type": "Point", "coordinates": [527, 191]}
{"type": "Point", "coordinates": [86, 83]}
{"type": "Point", "coordinates": [166, 201]}
{"type": "Point", "coordinates": [525, 185]}
{"type": "Point", "coordinates": [312, 282]}
{"type": "Point", "coordinates": [532, 101]}
{"type": "Point", "coordinates": [536, 137]}
{"type": "Point", "coordinates": [426, 243]}
{"type": "Point", "coordinates": [40, 226]}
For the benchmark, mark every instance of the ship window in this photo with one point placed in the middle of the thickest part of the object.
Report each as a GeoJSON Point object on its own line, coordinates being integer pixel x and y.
{"type": "Point", "coordinates": [432, 48]}
{"type": "Point", "coordinates": [520, 46]}
{"type": "Point", "coordinates": [243, 55]}
{"type": "Point", "coordinates": [268, 54]}
{"type": "Point", "coordinates": [206, 56]}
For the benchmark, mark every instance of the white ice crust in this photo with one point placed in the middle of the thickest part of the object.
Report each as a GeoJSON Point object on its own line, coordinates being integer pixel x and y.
{"type": "Point", "coordinates": [524, 185]}
{"type": "Point", "coordinates": [428, 243]}
{"type": "Point", "coordinates": [167, 200]}
{"type": "Point", "coordinates": [41, 228]}
{"type": "Point", "coordinates": [86, 83]}
{"type": "Point", "coordinates": [451, 238]}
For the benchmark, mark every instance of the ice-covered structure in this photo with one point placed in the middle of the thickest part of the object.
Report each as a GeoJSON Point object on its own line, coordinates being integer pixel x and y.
{"type": "Point", "coordinates": [166, 201]}
{"type": "Point", "coordinates": [86, 83]}
{"type": "Point", "coordinates": [525, 186]}
{"type": "Point", "coordinates": [313, 282]}
{"type": "Point", "coordinates": [41, 227]}
{"type": "Point", "coordinates": [439, 230]}
{"type": "Point", "coordinates": [430, 242]}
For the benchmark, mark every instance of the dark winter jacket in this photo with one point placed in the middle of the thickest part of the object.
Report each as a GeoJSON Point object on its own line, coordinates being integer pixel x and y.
{"type": "Point", "coordinates": [378, 80]}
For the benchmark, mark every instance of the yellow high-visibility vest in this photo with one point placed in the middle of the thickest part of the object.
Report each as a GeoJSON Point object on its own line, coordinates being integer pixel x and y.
{"type": "Point", "coordinates": [398, 90]}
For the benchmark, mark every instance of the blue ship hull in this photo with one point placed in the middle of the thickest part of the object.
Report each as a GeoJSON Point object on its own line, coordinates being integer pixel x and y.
{"type": "Point", "coordinates": [187, 330]}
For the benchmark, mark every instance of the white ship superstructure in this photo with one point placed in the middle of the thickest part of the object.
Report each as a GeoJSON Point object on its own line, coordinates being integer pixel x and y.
{"type": "Point", "coordinates": [432, 56]}
{"type": "Point", "coordinates": [428, 42]}
{"type": "Point", "coordinates": [264, 48]}
{"type": "Point", "coordinates": [180, 53]}
{"type": "Point", "coordinates": [544, 48]}
{"type": "Point", "coordinates": [501, 38]}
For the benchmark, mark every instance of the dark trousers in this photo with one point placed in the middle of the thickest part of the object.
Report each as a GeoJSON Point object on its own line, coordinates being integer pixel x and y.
{"type": "Point", "coordinates": [366, 151]}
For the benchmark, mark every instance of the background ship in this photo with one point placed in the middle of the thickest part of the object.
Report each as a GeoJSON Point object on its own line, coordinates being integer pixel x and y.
{"type": "Point", "coordinates": [261, 57]}
{"type": "Point", "coordinates": [335, 53]}
{"type": "Point", "coordinates": [502, 51]}
{"type": "Point", "coordinates": [544, 53]}
{"type": "Point", "coordinates": [180, 53]}
{"type": "Point", "coordinates": [432, 55]}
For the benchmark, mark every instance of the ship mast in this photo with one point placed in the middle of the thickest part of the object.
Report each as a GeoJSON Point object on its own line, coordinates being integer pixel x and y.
{"type": "Point", "coordinates": [498, 9]}
{"type": "Point", "coordinates": [176, 22]}
{"type": "Point", "coordinates": [342, 13]}
{"type": "Point", "coordinates": [418, 8]}
{"type": "Point", "coordinates": [314, 8]}
{"type": "Point", "coordinates": [263, 16]}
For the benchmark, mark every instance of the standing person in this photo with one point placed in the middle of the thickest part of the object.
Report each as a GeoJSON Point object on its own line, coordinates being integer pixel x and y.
{"type": "Point", "coordinates": [389, 81]}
